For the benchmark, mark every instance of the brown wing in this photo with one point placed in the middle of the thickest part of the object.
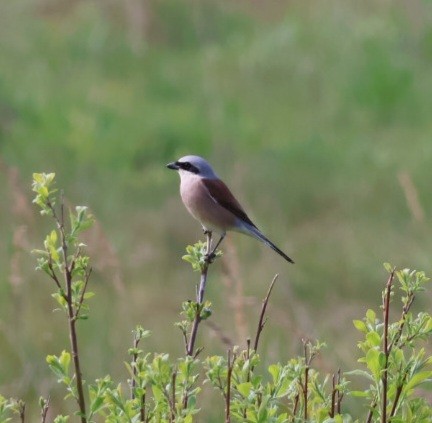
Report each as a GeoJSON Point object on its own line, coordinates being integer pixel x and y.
{"type": "Point", "coordinates": [223, 196]}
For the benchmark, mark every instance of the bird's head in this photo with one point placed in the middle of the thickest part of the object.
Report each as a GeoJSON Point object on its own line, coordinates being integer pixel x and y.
{"type": "Point", "coordinates": [193, 165]}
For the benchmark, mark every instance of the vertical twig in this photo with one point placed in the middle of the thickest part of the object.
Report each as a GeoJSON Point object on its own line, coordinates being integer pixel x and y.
{"type": "Point", "coordinates": [200, 298]}
{"type": "Point", "coordinates": [72, 317]}
{"type": "Point", "coordinates": [296, 403]}
{"type": "Point", "coordinates": [203, 279]}
{"type": "Point", "coordinates": [74, 345]}
{"type": "Point", "coordinates": [339, 395]}
{"type": "Point", "coordinates": [44, 410]}
{"type": "Point", "coordinates": [142, 408]}
{"type": "Point", "coordinates": [386, 309]}
{"type": "Point", "coordinates": [398, 394]}
{"type": "Point", "coordinates": [173, 394]}
{"type": "Point", "coordinates": [134, 366]}
{"type": "Point", "coordinates": [248, 351]}
{"type": "Point", "coordinates": [333, 397]}
{"type": "Point", "coordinates": [306, 382]}
{"type": "Point", "coordinates": [371, 411]}
{"type": "Point", "coordinates": [261, 321]}
{"type": "Point", "coordinates": [22, 408]}
{"type": "Point", "coordinates": [336, 397]}
{"type": "Point", "coordinates": [228, 394]}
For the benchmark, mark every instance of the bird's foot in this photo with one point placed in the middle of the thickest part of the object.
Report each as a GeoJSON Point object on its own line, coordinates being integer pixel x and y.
{"type": "Point", "coordinates": [209, 258]}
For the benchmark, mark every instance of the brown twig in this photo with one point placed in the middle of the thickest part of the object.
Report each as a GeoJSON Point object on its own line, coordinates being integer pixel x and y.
{"type": "Point", "coordinates": [200, 299]}
{"type": "Point", "coordinates": [296, 403]}
{"type": "Point", "coordinates": [405, 311]}
{"type": "Point", "coordinates": [173, 394]}
{"type": "Point", "coordinates": [44, 411]}
{"type": "Point", "coordinates": [339, 395]}
{"type": "Point", "coordinates": [134, 366]}
{"type": "Point", "coordinates": [70, 309]}
{"type": "Point", "coordinates": [398, 394]}
{"type": "Point", "coordinates": [262, 322]}
{"type": "Point", "coordinates": [306, 382]}
{"type": "Point", "coordinates": [21, 409]}
{"type": "Point", "coordinates": [142, 408]}
{"type": "Point", "coordinates": [333, 397]}
{"type": "Point", "coordinates": [228, 394]}
{"type": "Point", "coordinates": [84, 289]}
{"type": "Point", "coordinates": [371, 411]}
{"type": "Point", "coordinates": [386, 312]}
{"type": "Point", "coordinates": [53, 275]}
{"type": "Point", "coordinates": [336, 397]}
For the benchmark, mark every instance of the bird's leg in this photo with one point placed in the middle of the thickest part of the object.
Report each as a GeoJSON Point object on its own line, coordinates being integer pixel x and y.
{"type": "Point", "coordinates": [208, 234]}
{"type": "Point", "coordinates": [212, 255]}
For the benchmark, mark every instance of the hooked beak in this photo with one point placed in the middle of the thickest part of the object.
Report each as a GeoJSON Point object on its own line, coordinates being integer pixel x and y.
{"type": "Point", "coordinates": [173, 166]}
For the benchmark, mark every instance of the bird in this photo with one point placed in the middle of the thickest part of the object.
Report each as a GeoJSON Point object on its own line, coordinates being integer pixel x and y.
{"type": "Point", "coordinates": [211, 202]}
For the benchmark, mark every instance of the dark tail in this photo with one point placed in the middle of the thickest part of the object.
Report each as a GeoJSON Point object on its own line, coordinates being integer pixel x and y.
{"type": "Point", "coordinates": [258, 235]}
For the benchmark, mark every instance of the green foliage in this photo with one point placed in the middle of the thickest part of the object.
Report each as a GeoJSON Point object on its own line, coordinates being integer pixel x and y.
{"type": "Point", "coordinates": [42, 186]}
{"type": "Point", "coordinates": [162, 389]}
{"type": "Point", "coordinates": [63, 252]}
{"type": "Point", "coordinates": [197, 255]}
{"type": "Point", "coordinates": [396, 363]}
{"type": "Point", "coordinates": [5, 409]}
{"type": "Point", "coordinates": [293, 389]}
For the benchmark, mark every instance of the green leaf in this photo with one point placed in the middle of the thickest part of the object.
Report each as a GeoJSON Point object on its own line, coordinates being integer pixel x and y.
{"type": "Point", "coordinates": [360, 326]}
{"type": "Point", "coordinates": [362, 394]}
{"type": "Point", "coordinates": [64, 360]}
{"type": "Point", "coordinates": [373, 338]}
{"type": "Point", "coordinates": [373, 362]}
{"type": "Point", "coordinates": [371, 316]}
{"type": "Point", "coordinates": [274, 370]}
{"type": "Point", "coordinates": [388, 267]}
{"type": "Point", "coordinates": [244, 388]}
{"type": "Point", "coordinates": [418, 379]}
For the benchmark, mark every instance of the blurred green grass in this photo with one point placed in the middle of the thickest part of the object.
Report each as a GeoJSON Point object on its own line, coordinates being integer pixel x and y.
{"type": "Point", "coordinates": [312, 111]}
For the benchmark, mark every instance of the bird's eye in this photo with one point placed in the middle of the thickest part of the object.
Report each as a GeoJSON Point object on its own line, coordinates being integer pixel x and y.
{"type": "Point", "coordinates": [186, 166]}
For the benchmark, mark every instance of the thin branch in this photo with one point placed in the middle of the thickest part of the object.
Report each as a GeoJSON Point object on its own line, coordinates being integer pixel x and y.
{"type": "Point", "coordinates": [173, 393]}
{"type": "Point", "coordinates": [53, 274]}
{"type": "Point", "coordinates": [296, 403]}
{"type": "Point", "coordinates": [203, 279]}
{"type": "Point", "coordinates": [306, 382]}
{"type": "Point", "coordinates": [71, 312]}
{"type": "Point", "coordinates": [398, 394]}
{"type": "Point", "coordinates": [228, 393]}
{"type": "Point", "coordinates": [200, 299]}
{"type": "Point", "coordinates": [81, 300]}
{"type": "Point", "coordinates": [371, 411]}
{"type": "Point", "coordinates": [197, 352]}
{"type": "Point", "coordinates": [333, 397]}
{"type": "Point", "coordinates": [384, 378]}
{"type": "Point", "coordinates": [134, 366]}
{"type": "Point", "coordinates": [261, 321]}
{"type": "Point", "coordinates": [185, 339]}
{"type": "Point", "coordinates": [22, 408]}
{"type": "Point", "coordinates": [405, 310]}
{"type": "Point", "coordinates": [339, 394]}
{"type": "Point", "coordinates": [142, 408]}
{"type": "Point", "coordinates": [336, 397]}
{"type": "Point", "coordinates": [44, 410]}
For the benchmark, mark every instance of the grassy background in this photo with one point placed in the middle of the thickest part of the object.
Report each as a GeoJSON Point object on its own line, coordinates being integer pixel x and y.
{"type": "Point", "coordinates": [317, 113]}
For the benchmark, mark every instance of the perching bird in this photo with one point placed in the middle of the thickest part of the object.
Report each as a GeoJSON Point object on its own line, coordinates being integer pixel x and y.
{"type": "Point", "coordinates": [210, 202]}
